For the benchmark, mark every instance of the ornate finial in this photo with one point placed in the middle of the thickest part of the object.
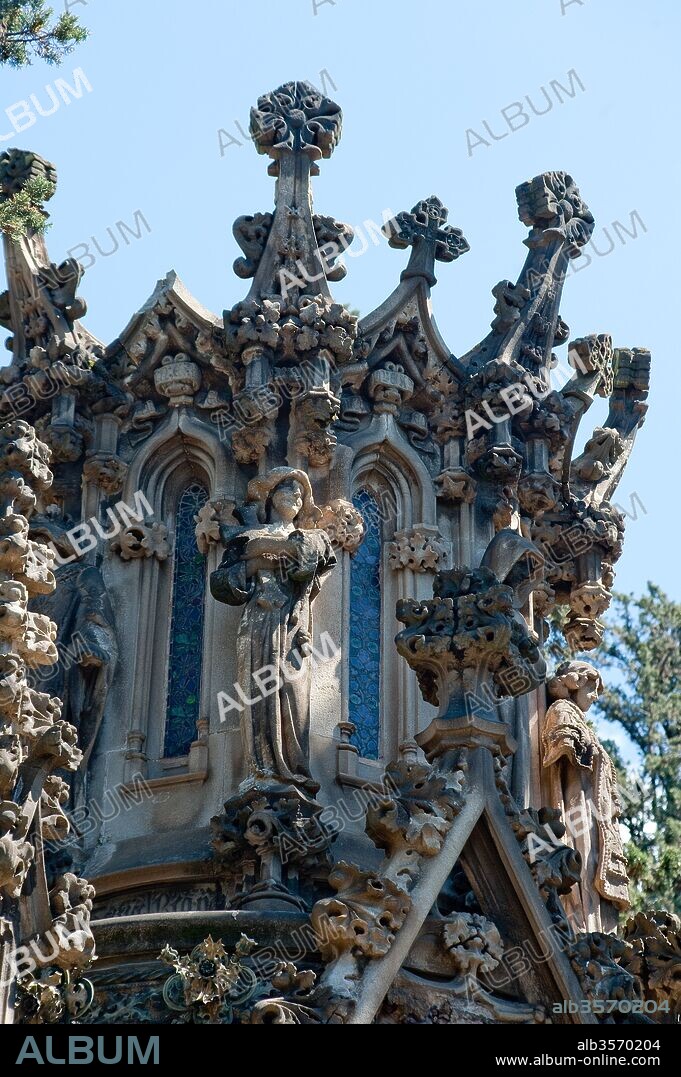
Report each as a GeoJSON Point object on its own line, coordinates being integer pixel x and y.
{"type": "Point", "coordinates": [594, 355]}
{"type": "Point", "coordinates": [19, 167]}
{"type": "Point", "coordinates": [551, 205]}
{"type": "Point", "coordinates": [296, 118]}
{"type": "Point", "coordinates": [427, 221]}
{"type": "Point", "coordinates": [425, 230]}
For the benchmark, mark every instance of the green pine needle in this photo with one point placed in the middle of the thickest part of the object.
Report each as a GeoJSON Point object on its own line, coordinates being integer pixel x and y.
{"type": "Point", "coordinates": [29, 29]}
{"type": "Point", "coordinates": [22, 212]}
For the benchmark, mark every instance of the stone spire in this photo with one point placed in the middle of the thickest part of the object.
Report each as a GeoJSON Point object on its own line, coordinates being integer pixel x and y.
{"type": "Point", "coordinates": [288, 325]}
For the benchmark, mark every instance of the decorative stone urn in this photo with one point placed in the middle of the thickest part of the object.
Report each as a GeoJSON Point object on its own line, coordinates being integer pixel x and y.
{"type": "Point", "coordinates": [179, 379]}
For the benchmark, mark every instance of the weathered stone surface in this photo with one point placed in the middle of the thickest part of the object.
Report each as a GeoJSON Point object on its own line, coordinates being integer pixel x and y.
{"type": "Point", "coordinates": [586, 792]}
{"type": "Point", "coordinates": [35, 743]}
{"type": "Point", "coordinates": [287, 402]}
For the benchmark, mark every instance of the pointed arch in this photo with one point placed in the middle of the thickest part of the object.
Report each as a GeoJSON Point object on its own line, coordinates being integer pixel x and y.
{"type": "Point", "coordinates": [181, 463]}
{"type": "Point", "coordinates": [181, 437]}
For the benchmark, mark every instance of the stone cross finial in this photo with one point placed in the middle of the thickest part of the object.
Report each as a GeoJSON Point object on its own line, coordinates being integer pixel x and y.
{"type": "Point", "coordinates": [425, 230]}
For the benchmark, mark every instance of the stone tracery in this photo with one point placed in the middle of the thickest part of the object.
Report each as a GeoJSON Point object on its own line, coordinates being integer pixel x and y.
{"type": "Point", "coordinates": [497, 519]}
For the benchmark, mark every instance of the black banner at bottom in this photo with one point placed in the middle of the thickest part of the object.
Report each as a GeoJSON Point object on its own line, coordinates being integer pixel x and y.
{"type": "Point", "coordinates": [501, 1047]}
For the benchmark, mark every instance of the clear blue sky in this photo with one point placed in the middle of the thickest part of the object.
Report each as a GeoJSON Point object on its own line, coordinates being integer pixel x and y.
{"type": "Point", "coordinates": [167, 75]}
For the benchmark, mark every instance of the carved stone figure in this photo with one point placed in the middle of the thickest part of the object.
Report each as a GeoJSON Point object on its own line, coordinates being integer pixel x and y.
{"type": "Point", "coordinates": [409, 886]}
{"type": "Point", "coordinates": [273, 566]}
{"type": "Point", "coordinates": [81, 608]}
{"type": "Point", "coordinates": [584, 787]}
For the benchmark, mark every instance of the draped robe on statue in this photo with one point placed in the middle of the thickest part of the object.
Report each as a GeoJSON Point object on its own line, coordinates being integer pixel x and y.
{"type": "Point", "coordinates": [277, 576]}
{"type": "Point", "coordinates": [583, 786]}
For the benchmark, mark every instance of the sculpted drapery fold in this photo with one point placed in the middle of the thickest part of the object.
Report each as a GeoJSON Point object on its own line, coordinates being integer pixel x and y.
{"type": "Point", "coordinates": [584, 787]}
{"type": "Point", "coordinates": [291, 407]}
{"type": "Point", "coordinates": [273, 566]}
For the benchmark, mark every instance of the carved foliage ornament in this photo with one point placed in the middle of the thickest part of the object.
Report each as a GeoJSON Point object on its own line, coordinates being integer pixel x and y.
{"type": "Point", "coordinates": [296, 117]}
{"type": "Point", "coordinates": [409, 821]}
{"type": "Point", "coordinates": [470, 633]}
{"type": "Point", "coordinates": [344, 524]}
{"type": "Point", "coordinates": [420, 549]}
{"type": "Point", "coordinates": [34, 742]}
{"type": "Point", "coordinates": [210, 986]}
{"type": "Point", "coordinates": [142, 541]}
{"type": "Point", "coordinates": [654, 955]}
{"type": "Point", "coordinates": [550, 204]}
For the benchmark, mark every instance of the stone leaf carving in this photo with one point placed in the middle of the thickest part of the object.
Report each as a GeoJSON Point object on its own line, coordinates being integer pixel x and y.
{"type": "Point", "coordinates": [53, 997]}
{"type": "Point", "coordinates": [107, 471]}
{"type": "Point", "coordinates": [456, 485]}
{"type": "Point", "coordinates": [251, 233]}
{"type": "Point", "coordinates": [34, 741]}
{"type": "Point", "coordinates": [142, 541]}
{"type": "Point", "coordinates": [296, 117]}
{"type": "Point", "coordinates": [551, 205]}
{"type": "Point", "coordinates": [344, 524]}
{"type": "Point", "coordinates": [420, 549]}
{"type": "Point", "coordinates": [601, 453]}
{"type": "Point", "coordinates": [416, 812]}
{"type": "Point", "coordinates": [469, 633]}
{"type": "Point", "coordinates": [293, 330]}
{"type": "Point", "coordinates": [597, 959]}
{"type": "Point", "coordinates": [474, 942]}
{"type": "Point", "coordinates": [71, 903]}
{"type": "Point", "coordinates": [211, 518]}
{"type": "Point", "coordinates": [364, 917]}
{"type": "Point", "coordinates": [409, 820]}
{"type": "Point", "coordinates": [510, 299]}
{"type": "Point", "coordinates": [580, 544]}
{"type": "Point", "coordinates": [654, 956]}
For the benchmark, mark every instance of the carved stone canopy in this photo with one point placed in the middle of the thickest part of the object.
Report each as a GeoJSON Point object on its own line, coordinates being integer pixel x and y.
{"type": "Point", "coordinates": [281, 402]}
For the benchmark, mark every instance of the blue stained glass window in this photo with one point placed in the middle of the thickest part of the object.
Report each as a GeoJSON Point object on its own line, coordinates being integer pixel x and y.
{"type": "Point", "coordinates": [365, 630]}
{"type": "Point", "coordinates": [186, 628]}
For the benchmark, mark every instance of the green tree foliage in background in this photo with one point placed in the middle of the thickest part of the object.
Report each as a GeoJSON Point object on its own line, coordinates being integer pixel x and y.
{"type": "Point", "coordinates": [640, 660]}
{"type": "Point", "coordinates": [29, 28]}
{"type": "Point", "coordinates": [643, 649]}
{"type": "Point", "coordinates": [22, 212]}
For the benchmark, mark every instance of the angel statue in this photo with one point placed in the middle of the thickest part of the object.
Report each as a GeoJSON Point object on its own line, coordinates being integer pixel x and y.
{"type": "Point", "coordinates": [273, 566]}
